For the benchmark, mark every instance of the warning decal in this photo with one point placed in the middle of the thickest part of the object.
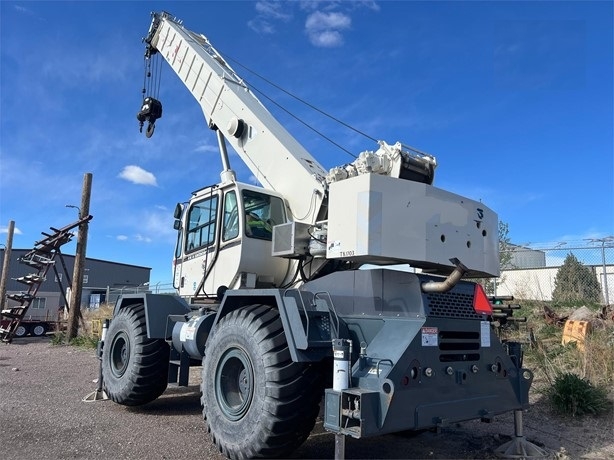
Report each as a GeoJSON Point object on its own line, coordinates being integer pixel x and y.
{"type": "Point", "coordinates": [429, 336]}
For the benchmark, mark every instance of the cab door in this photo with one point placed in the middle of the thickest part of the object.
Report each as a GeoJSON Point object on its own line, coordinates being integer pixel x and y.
{"type": "Point", "coordinates": [197, 243]}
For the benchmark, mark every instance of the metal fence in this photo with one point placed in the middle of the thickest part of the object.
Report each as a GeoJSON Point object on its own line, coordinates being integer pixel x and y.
{"type": "Point", "coordinates": [533, 272]}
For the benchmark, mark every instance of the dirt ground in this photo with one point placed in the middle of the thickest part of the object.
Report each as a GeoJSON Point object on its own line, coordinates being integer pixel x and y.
{"type": "Point", "coordinates": [43, 415]}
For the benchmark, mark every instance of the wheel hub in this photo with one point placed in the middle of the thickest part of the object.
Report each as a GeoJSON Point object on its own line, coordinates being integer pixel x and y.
{"type": "Point", "coordinates": [234, 383]}
{"type": "Point", "coordinates": [120, 354]}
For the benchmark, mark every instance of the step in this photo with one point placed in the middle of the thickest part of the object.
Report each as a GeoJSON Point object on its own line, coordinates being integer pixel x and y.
{"type": "Point", "coordinates": [30, 279]}
{"type": "Point", "coordinates": [37, 259]}
{"type": "Point", "coordinates": [21, 297]}
{"type": "Point", "coordinates": [8, 314]}
{"type": "Point", "coordinates": [31, 263]}
{"type": "Point", "coordinates": [12, 309]}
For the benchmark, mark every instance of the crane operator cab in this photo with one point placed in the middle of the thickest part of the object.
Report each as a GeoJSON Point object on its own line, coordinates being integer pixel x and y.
{"type": "Point", "coordinates": [224, 240]}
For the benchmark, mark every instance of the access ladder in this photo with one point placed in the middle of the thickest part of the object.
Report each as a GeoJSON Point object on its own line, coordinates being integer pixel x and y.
{"type": "Point", "coordinates": [41, 258]}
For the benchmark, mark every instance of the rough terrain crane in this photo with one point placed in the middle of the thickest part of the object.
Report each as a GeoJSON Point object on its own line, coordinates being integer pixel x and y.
{"type": "Point", "coordinates": [275, 304]}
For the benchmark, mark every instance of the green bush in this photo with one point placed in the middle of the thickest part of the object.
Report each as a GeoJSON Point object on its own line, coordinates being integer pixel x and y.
{"type": "Point", "coordinates": [575, 396]}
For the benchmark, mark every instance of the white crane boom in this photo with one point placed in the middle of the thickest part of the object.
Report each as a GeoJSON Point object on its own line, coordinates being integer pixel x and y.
{"type": "Point", "coordinates": [276, 159]}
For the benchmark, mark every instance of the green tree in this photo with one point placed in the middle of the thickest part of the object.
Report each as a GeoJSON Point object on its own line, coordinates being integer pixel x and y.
{"type": "Point", "coordinates": [505, 246]}
{"type": "Point", "coordinates": [505, 257]}
{"type": "Point", "coordinates": [575, 282]}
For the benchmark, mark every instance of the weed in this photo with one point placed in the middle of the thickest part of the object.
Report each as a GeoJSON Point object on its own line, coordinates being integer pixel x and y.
{"type": "Point", "coordinates": [84, 341]}
{"type": "Point", "coordinates": [58, 338]}
{"type": "Point", "coordinates": [575, 396]}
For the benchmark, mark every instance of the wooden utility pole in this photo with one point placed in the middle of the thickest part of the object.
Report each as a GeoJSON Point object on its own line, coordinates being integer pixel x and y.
{"type": "Point", "coordinates": [77, 277]}
{"type": "Point", "coordinates": [6, 263]}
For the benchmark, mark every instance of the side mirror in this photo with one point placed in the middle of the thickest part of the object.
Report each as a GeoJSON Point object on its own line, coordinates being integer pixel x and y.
{"type": "Point", "coordinates": [178, 211]}
{"type": "Point", "coordinates": [177, 224]}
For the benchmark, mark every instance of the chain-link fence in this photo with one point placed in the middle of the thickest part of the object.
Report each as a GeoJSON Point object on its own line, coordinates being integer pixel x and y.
{"type": "Point", "coordinates": [565, 272]}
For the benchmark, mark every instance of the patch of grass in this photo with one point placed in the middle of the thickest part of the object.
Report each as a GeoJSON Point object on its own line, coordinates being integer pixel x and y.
{"type": "Point", "coordinates": [598, 357]}
{"type": "Point", "coordinates": [576, 396]}
{"type": "Point", "coordinates": [595, 362]}
{"type": "Point", "coordinates": [576, 380]}
{"type": "Point", "coordinates": [84, 341]}
{"type": "Point", "coordinates": [105, 311]}
{"type": "Point", "coordinates": [88, 334]}
{"type": "Point", "coordinates": [58, 338]}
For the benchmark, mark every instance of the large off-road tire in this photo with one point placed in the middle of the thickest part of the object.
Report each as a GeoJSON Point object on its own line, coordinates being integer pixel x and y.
{"type": "Point", "coordinates": [256, 401]}
{"type": "Point", "coordinates": [134, 368]}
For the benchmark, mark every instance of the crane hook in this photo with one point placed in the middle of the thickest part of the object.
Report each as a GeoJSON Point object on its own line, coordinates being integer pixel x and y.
{"type": "Point", "coordinates": [151, 110]}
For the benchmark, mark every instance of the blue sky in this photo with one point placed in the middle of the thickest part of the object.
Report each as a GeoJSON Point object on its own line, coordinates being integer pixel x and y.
{"type": "Point", "coordinates": [515, 99]}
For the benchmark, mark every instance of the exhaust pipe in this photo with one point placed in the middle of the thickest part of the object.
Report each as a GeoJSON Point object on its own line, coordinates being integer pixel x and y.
{"type": "Point", "coordinates": [449, 282]}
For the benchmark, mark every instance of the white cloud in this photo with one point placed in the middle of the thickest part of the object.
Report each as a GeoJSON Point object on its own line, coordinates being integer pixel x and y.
{"type": "Point", "coordinates": [144, 239]}
{"type": "Point", "coordinates": [312, 5]}
{"type": "Point", "coordinates": [370, 4]}
{"type": "Point", "coordinates": [23, 10]}
{"type": "Point", "coordinates": [325, 21]}
{"type": "Point", "coordinates": [159, 223]}
{"type": "Point", "coordinates": [326, 39]}
{"type": "Point", "coordinates": [324, 24]}
{"type": "Point", "coordinates": [324, 29]}
{"type": "Point", "coordinates": [138, 175]}
{"type": "Point", "coordinates": [276, 10]}
{"type": "Point", "coordinates": [16, 231]}
{"type": "Point", "coordinates": [261, 26]}
{"type": "Point", "coordinates": [122, 237]}
{"type": "Point", "coordinates": [207, 148]}
{"type": "Point", "coordinates": [269, 11]}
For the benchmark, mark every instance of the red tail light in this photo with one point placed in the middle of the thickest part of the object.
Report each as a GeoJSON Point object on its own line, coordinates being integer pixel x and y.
{"type": "Point", "coordinates": [481, 304]}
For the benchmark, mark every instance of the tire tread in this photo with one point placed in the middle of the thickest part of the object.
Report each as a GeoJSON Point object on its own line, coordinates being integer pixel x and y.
{"type": "Point", "coordinates": [147, 376]}
{"type": "Point", "coordinates": [292, 391]}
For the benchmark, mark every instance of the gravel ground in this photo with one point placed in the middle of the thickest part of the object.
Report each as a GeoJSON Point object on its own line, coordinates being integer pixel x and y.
{"type": "Point", "coordinates": [42, 415]}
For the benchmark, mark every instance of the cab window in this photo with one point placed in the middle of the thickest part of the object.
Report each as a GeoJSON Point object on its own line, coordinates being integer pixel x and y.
{"type": "Point", "coordinates": [231, 217]}
{"type": "Point", "coordinates": [201, 224]}
{"type": "Point", "coordinates": [178, 245]}
{"type": "Point", "coordinates": [262, 213]}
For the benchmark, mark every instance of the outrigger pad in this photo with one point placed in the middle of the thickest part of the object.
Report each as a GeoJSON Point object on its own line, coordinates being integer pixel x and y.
{"type": "Point", "coordinates": [520, 447]}
{"type": "Point", "coordinates": [96, 395]}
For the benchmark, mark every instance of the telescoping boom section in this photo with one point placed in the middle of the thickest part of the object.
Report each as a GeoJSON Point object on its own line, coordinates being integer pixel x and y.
{"type": "Point", "coordinates": [286, 296]}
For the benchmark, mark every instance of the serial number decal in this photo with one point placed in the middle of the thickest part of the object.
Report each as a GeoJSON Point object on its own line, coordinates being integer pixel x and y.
{"type": "Point", "coordinates": [347, 253]}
